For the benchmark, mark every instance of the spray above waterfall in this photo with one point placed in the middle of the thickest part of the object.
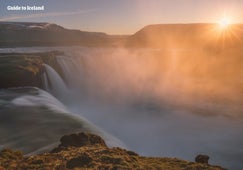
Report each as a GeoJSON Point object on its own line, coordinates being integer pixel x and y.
{"type": "Point", "coordinates": [125, 76]}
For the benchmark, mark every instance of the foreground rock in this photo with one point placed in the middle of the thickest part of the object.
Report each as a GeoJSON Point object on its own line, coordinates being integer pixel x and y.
{"type": "Point", "coordinates": [92, 153]}
{"type": "Point", "coordinates": [79, 140]}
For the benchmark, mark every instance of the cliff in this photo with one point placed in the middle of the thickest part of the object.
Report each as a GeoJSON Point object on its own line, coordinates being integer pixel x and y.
{"type": "Point", "coordinates": [25, 69]}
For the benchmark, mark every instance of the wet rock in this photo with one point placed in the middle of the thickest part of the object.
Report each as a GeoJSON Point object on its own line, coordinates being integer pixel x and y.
{"type": "Point", "coordinates": [202, 159]}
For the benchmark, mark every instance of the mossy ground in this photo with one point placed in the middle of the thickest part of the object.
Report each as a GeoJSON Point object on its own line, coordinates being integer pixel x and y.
{"type": "Point", "coordinates": [95, 157]}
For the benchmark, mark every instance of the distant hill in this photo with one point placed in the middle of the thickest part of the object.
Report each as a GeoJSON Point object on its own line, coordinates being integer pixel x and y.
{"type": "Point", "coordinates": [167, 36]}
{"type": "Point", "coordinates": [39, 34]}
{"type": "Point", "coordinates": [187, 36]}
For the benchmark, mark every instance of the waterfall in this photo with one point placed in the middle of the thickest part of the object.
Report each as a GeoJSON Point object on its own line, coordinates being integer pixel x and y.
{"type": "Point", "coordinates": [70, 95]}
{"type": "Point", "coordinates": [45, 82]}
{"type": "Point", "coordinates": [77, 76]}
{"type": "Point", "coordinates": [72, 69]}
{"type": "Point", "coordinates": [53, 83]}
{"type": "Point", "coordinates": [32, 120]}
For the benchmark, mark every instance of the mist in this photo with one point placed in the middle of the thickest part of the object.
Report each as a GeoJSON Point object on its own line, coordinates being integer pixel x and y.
{"type": "Point", "coordinates": [176, 77]}
{"type": "Point", "coordinates": [171, 102]}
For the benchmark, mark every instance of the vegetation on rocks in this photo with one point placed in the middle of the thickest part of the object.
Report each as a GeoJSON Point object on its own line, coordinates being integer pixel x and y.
{"type": "Point", "coordinates": [92, 153]}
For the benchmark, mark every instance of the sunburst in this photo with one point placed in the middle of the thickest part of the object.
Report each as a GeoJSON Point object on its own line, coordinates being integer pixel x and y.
{"type": "Point", "coordinates": [225, 22]}
{"type": "Point", "coordinates": [225, 32]}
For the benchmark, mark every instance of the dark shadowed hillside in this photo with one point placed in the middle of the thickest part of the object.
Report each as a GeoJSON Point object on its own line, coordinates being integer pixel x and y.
{"type": "Point", "coordinates": [43, 34]}
{"type": "Point", "coordinates": [187, 36]}
{"type": "Point", "coordinates": [205, 36]}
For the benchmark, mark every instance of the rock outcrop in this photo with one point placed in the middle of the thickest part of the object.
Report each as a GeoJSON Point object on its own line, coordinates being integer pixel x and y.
{"type": "Point", "coordinates": [202, 159]}
{"type": "Point", "coordinates": [79, 140]}
{"type": "Point", "coordinates": [88, 151]}
{"type": "Point", "coordinates": [25, 69]}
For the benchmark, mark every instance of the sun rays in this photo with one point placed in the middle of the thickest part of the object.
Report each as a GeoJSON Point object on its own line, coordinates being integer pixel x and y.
{"type": "Point", "coordinates": [224, 32]}
{"type": "Point", "coordinates": [225, 22]}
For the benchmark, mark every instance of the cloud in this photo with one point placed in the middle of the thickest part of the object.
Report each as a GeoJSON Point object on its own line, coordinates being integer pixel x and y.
{"type": "Point", "coordinates": [41, 15]}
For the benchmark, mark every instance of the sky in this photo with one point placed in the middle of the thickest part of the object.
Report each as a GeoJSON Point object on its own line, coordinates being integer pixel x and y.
{"type": "Point", "coordinates": [122, 16]}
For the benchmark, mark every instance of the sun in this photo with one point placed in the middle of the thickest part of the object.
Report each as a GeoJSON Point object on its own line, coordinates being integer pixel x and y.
{"type": "Point", "coordinates": [225, 31]}
{"type": "Point", "coordinates": [225, 22]}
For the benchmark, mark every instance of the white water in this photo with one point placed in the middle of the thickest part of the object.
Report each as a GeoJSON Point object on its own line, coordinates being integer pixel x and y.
{"type": "Point", "coordinates": [33, 121]}
{"type": "Point", "coordinates": [45, 82]}
{"type": "Point", "coordinates": [54, 83]}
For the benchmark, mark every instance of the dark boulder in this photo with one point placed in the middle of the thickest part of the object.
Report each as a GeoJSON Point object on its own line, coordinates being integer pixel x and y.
{"type": "Point", "coordinates": [202, 159]}
{"type": "Point", "coordinates": [79, 140]}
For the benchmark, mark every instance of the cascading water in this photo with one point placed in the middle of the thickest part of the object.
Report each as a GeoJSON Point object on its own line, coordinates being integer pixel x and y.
{"type": "Point", "coordinates": [45, 82]}
{"type": "Point", "coordinates": [36, 121]}
{"type": "Point", "coordinates": [54, 83]}
{"type": "Point", "coordinates": [74, 72]}
{"type": "Point", "coordinates": [70, 66]}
